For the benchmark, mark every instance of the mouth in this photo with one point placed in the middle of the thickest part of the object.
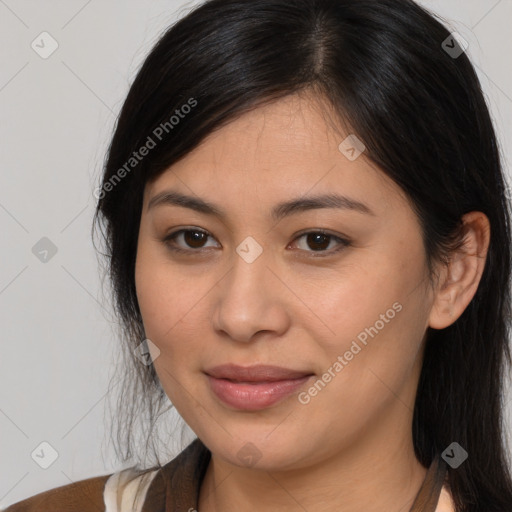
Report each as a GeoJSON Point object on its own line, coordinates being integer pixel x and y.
{"type": "Point", "coordinates": [255, 387]}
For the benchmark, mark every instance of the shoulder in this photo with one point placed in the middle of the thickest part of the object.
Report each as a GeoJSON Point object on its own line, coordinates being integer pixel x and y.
{"type": "Point", "coordinates": [445, 503]}
{"type": "Point", "coordinates": [85, 495]}
{"type": "Point", "coordinates": [126, 490]}
{"type": "Point", "coordinates": [117, 492]}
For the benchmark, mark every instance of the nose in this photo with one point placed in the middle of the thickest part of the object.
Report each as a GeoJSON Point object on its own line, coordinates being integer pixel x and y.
{"type": "Point", "coordinates": [250, 300]}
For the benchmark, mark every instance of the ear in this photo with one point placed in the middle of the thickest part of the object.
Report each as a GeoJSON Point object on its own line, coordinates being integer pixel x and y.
{"type": "Point", "coordinates": [460, 278]}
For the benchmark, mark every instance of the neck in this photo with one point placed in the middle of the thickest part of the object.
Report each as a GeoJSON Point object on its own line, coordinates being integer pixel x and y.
{"type": "Point", "coordinates": [378, 473]}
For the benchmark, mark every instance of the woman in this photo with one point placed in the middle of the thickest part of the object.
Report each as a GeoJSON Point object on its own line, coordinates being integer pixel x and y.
{"type": "Point", "coordinates": [307, 227]}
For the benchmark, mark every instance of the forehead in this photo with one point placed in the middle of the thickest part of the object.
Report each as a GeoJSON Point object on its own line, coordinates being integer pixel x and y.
{"type": "Point", "coordinates": [282, 132]}
{"type": "Point", "coordinates": [286, 148]}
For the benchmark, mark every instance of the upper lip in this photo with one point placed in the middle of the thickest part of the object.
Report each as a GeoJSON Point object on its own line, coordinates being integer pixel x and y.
{"type": "Point", "coordinates": [257, 373]}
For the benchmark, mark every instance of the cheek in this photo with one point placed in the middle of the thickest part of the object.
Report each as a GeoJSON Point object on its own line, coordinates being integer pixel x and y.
{"type": "Point", "coordinates": [171, 305]}
{"type": "Point", "coordinates": [368, 372]}
{"type": "Point", "coordinates": [352, 302]}
{"type": "Point", "coordinates": [160, 296]}
{"type": "Point", "coordinates": [378, 359]}
{"type": "Point", "coordinates": [376, 314]}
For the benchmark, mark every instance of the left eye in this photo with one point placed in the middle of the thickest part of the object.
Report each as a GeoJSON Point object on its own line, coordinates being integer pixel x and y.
{"type": "Point", "coordinates": [194, 239]}
{"type": "Point", "coordinates": [319, 241]}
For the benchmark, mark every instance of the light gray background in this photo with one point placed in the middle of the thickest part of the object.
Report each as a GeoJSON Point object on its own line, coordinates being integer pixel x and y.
{"type": "Point", "coordinates": [56, 118]}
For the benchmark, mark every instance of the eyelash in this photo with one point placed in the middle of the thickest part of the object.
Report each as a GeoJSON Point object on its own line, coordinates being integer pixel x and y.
{"type": "Point", "coordinates": [344, 243]}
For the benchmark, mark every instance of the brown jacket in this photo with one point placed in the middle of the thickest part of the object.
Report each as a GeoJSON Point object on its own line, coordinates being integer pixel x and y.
{"type": "Point", "coordinates": [175, 487]}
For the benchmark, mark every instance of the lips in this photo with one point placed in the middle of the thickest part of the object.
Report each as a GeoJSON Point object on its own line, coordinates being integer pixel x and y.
{"type": "Point", "coordinates": [254, 387]}
{"type": "Point", "coordinates": [260, 373]}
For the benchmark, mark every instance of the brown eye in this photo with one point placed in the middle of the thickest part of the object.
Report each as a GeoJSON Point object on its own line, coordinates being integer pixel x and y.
{"type": "Point", "coordinates": [191, 240]}
{"type": "Point", "coordinates": [319, 242]}
{"type": "Point", "coordinates": [194, 239]}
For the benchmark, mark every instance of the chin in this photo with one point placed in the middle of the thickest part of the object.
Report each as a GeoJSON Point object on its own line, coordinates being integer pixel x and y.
{"type": "Point", "coordinates": [256, 449]}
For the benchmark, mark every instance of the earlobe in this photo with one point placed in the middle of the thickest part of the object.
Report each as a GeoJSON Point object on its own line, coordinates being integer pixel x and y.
{"type": "Point", "coordinates": [461, 277]}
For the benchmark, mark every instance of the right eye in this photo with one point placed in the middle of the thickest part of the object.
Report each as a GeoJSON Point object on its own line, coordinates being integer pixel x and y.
{"type": "Point", "coordinates": [192, 237]}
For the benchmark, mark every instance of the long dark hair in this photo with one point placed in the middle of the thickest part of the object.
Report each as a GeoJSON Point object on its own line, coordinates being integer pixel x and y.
{"type": "Point", "coordinates": [385, 68]}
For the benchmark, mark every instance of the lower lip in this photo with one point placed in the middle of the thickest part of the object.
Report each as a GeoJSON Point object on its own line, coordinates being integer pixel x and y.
{"type": "Point", "coordinates": [254, 396]}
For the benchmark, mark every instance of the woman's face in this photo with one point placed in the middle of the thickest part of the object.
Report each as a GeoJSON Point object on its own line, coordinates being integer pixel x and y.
{"type": "Point", "coordinates": [343, 321]}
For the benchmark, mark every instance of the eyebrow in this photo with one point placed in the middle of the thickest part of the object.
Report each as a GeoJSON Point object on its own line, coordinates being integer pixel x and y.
{"type": "Point", "coordinates": [281, 210]}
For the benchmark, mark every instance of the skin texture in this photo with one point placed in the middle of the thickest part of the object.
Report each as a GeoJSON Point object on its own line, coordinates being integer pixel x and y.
{"type": "Point", "coordinates": [350, 447]}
